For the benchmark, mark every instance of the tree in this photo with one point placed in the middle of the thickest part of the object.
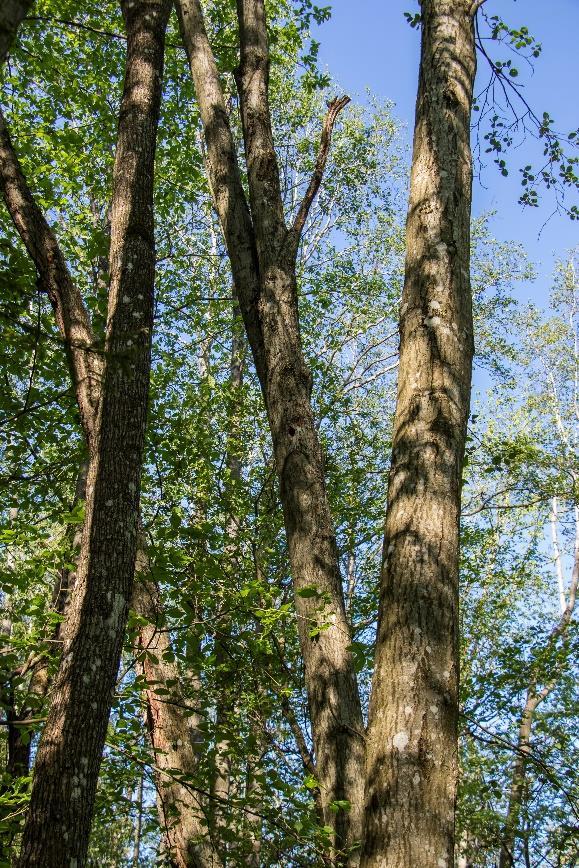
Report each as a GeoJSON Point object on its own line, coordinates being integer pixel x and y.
{"type": "Point", "coordinates": [263, 252]}
{"type": "Point", "coordinates": [213, 657]}
{"type": "Point", "coordinates": [411, 772]}
{"type": "Point", "coordinates": [69, 756]}
{"type": "Point", "coordinates": [518, 790]}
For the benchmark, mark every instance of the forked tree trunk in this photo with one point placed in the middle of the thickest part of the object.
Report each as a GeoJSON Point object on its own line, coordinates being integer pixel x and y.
{"type": "Point", "coordinates": [411, 771]}
{"type": "Point", "coordinates": [262, 251]}
{"type": "Point", "coordinates": [69, 755]}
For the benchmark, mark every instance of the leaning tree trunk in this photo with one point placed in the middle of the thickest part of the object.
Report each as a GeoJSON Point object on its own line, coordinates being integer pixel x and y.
{"type": "Point", "coordinates": [411, 771]}
{"type": "Point", "coordinates": [69, 755]}
{"type": "Point", "coordinates": [262, 251]}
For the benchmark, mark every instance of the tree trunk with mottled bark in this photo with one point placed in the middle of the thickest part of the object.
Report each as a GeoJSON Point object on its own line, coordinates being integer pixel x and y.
{"type": "Point", "coordinates": [262, 251]}
{"type": "Point", "coordinates": [175, 736]}
{"type": "Point", "coordinates": [411, 771]}
{"type": "Point", "coordinates": [12, 14]}
{"type": "Point", "coordinates": [69, 755]}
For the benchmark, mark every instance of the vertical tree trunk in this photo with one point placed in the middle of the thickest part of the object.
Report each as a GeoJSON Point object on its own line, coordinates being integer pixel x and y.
{"type": "Point", "coordinates": [69, 755]}
{"type": "Point", "coordinates": [411, 769]}
{"type": "Point", "coordinates": [12, 13]}
{"type": "Point", "coordinates": [257, 798]}
{"type": "Point", "coordinates": [175, 737]}
{"type": "Point", "coordinates": [138, 823]}
{"type": "Point", "coordinates": [518, 781]}
{"type": "Point", "coordinates": [534, 698]}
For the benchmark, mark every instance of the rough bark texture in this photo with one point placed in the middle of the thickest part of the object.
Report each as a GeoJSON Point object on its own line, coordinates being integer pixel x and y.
{"type": "Point", "coordinates": [412, 734]}
{"type": "Point", "coordinates": [175, 736]}
{"type": "Point", "coordinates": [12, 13]}
{"type": "Point", "coordinates": [68, 760]}
{"type": "Point", "coordinates": [262, 251]}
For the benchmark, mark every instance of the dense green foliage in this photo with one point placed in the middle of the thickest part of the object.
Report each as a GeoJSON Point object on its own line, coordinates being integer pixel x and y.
{"type": "Point", "coordinates": [215, 535]}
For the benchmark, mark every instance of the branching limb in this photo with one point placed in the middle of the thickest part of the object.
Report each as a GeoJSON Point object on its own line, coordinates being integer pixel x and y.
{"type": "Point", "coordinates": [475, 7]}
{"type": "Point", "coordinates": [223, 169]}
{"type": "Point", "coordinates": [334, 109]}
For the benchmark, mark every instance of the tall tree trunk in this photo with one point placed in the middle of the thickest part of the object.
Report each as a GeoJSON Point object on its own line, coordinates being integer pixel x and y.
{"type": "Point", "coordinates": [411, 771]}
{"type": "Point", "coordinates": [256, 798]}
{"type": "Point", "coordinates": [262, 251]}
{"type": "Point", "coordinates": [86, 370]}
{"type": "Point", "coordinates": [69, 755]}
{"type": "Point", "coordinates": [175, 736]}
{"type": "Point", "coordinates": [138, 822]}
{"type": "Point", "coordinates": [518, 783]}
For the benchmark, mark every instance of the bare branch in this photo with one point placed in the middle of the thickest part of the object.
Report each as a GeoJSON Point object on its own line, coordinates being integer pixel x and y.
{"type": "Point", "coordinates": [334, 109]}
{"type": "Point", "coordinates": [475, 7]}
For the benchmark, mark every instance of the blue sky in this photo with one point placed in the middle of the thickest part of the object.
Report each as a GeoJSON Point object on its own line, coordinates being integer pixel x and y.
{"type": "Point", "coordinates": [367, 43]}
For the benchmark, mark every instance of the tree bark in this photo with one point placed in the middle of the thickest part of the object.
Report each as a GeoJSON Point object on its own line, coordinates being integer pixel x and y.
{"type": "Point", "coordinates": [411, 771]}
{"type": "Point", "coordinates": [138, 823]}
{"type": "Point", "coordinates": [84, 359]}
{"type": "Point", "coordinates": [518, 781]}
{"type": "Point", "coordinates": [69, 755]}
{"type": "Point", "coordinates": [12, 14]}
{"type": "Point", "coordinates": [262, 251]}
{"type": "Point", "coordinates": [175, 736]}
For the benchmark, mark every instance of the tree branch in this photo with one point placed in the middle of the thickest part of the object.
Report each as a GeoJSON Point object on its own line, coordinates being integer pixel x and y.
{"type": "Point", "coordinates": [334, 109]}
{"type": "Point", "coordinates": [261, 158]}
{"type": "Point", "coordinates": [71, 315]}
{"type": "Point", "coordinates": [12, 14]}
{"type": "Point", "coordinates": [475, 7]}
{"type": "Point", "coordinates": [223, 169]}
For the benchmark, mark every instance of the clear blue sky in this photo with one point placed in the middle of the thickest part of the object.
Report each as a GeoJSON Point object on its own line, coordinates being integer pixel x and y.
{"type": "Point", "coordinates": [367, 43]}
